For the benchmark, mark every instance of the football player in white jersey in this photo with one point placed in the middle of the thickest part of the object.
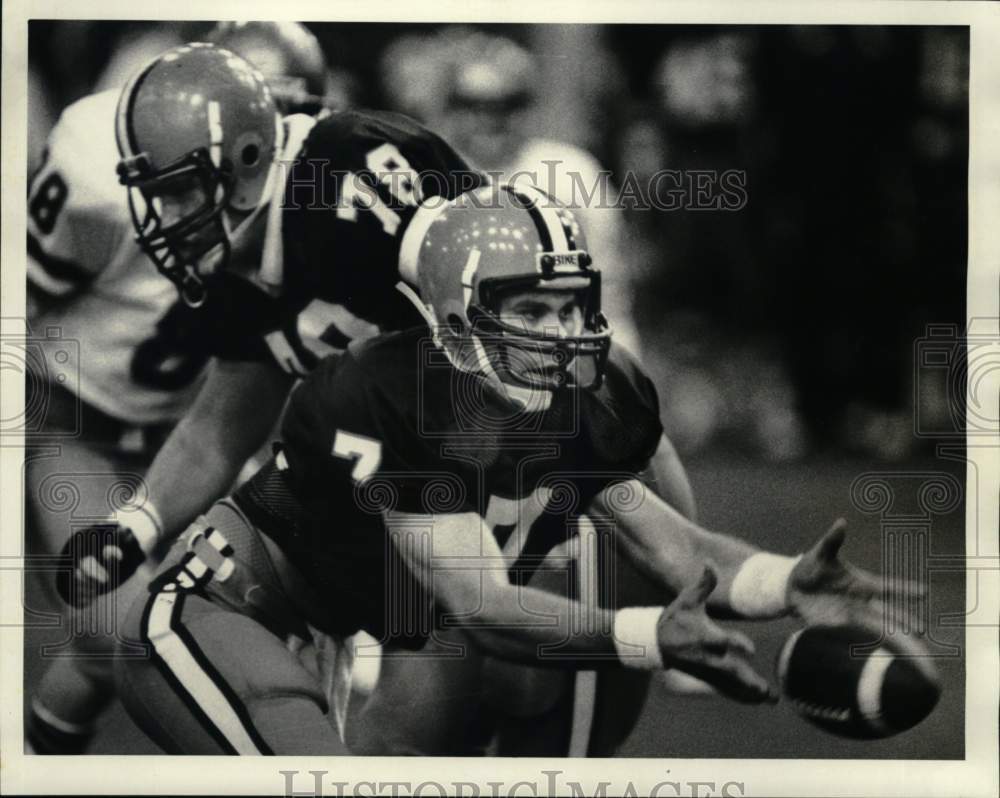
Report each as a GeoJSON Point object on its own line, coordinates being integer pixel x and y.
{"type": "Point", "coordinates": [134, 367]}
{"type": "Point", "coordinates": [88, 282]}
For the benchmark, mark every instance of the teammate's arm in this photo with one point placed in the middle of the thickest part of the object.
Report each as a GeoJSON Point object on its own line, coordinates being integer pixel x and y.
{"type": "Point", "coordinates": [457, 559]}
{"type": "Point", "coordinates": [230, 419]}
{"type": "Point", "coordinates": [235, 410]}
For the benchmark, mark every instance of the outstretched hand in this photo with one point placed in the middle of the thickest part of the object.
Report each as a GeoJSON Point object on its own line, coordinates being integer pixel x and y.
{"type": "Point", "coordinates": [823, 589]}
{"type": "Point", "coordinates": [691, 642]}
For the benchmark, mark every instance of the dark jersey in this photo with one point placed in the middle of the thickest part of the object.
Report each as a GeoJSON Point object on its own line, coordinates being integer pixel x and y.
{"type": "Point", "coordinates": [349, 194]}
{"type": "Point", "coordinates": [392, 425]}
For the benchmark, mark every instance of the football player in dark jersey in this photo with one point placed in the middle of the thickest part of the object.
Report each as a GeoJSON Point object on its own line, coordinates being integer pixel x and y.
{"type": "Point", "coordinates": [282, 236]}
{"type": "Point", "coordinates": [423, 480]}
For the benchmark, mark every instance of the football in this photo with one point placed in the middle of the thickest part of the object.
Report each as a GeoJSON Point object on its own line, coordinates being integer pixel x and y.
{"type": "Point", "coordinates": [870, 693]}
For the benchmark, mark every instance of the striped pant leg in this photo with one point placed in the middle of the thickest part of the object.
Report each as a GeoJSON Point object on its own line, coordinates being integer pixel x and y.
{"type": "Point", "coordinates": [217, 682]}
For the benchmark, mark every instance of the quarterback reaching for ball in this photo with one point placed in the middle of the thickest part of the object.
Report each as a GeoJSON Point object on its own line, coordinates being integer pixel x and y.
{"type": "Point", "coordinates": [285, 240]}
{"type": "Point", "coordinates": [423, 481]}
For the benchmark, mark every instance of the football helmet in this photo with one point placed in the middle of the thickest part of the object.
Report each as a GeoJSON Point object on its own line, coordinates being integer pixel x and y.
{"type": "Point", "coordinates": [471, 253]}
{"type": "Point", "coordinates": [287, 54]}
{"type": "Point", "coordinates": [200, 123]}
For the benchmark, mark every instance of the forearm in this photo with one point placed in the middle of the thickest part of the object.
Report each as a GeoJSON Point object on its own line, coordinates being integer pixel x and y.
{"type": "Point", "coordinates": [533, 626]}
{"type": "Point", "coordinates": [665, 475]}
{"type": "Point", "coordinates": [539, 628]}
{"type": "Point", "coordinates": [468, 577]}
{"type": "Point", "coordinates": [662, 543]}
{"type": "Point", "coordinates": [194, 468]}
{"type": "Point", "coordinates": [231, 418]}
{"type": "Point", "coordinates": [668, 548]}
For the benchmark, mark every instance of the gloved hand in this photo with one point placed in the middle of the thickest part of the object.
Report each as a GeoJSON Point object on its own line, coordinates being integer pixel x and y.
{"type": "Point", "coordinates": [105, 555]}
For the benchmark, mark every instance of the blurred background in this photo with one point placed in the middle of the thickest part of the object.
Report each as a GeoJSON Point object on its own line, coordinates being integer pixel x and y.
{"type": "Point", "coordinates": [781, 329]}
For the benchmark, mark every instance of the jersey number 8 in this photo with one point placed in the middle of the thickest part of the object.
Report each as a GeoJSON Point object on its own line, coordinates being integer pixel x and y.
{"type": "Point", "coordinates": [392, 171]}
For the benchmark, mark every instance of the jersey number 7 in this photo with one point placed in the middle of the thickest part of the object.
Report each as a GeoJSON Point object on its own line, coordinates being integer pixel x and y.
{"type": "Point", "coordinates": [365, 452]}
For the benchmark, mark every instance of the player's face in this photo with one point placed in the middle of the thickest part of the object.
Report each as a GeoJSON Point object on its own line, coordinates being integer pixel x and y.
{"type": "Point", "coordinates": [179, 200]}
{"type": "Point", "coordinates": [184, 197]}
{"type": "Point", "coordinates": [556, 314]}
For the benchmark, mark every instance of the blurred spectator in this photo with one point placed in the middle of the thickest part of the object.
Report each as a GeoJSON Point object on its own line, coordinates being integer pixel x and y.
{"type": "Point", "coordinates": [848, 260]}
{"type": "Point", "coordinates": [292, 62]}
{"type": "Point", "coordinates": [939, 143]}
{"type": "Point", "coordinates": [136, 48]}
{"type": "Point", "coordinates": [485, 105]}
{"type": "Point", "coordinates": [705, 80]}
{"type": "Point", "coordinates": [411, 73]}
{"type": "Point", "coordinates": [699, 271]}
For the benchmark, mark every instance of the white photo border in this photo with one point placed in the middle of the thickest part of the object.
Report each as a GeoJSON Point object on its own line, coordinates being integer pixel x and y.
{"type": "Point", "coordinates": [976, 775]}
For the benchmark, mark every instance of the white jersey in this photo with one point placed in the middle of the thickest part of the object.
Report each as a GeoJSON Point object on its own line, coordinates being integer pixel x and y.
{"type": "Point", "coordinates": [107, 295]}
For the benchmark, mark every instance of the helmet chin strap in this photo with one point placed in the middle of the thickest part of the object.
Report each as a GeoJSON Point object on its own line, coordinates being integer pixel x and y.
{"type": "Point", "coordinates": [234, 234]}
{"type": "Point", "coordinates": [271, 185]}
{"type": "Point", "coordinates": [532, 400]}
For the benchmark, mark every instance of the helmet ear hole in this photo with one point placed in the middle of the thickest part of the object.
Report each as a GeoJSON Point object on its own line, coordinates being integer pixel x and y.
{"type": "Point", "coordinates": [455, 324]}
{"type": "Point", "coordinates": [250, 155]}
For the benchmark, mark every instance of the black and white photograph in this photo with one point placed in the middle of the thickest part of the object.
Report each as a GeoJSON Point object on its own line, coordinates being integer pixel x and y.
{"type": "Point", "coordinates": [466, 400]}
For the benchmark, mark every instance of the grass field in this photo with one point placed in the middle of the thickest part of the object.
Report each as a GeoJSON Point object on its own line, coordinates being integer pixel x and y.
{"type": "Point", "coordinates": [779, 507]}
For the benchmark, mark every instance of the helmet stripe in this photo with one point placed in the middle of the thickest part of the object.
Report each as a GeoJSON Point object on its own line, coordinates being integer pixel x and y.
{"type": "Point", "coordinates": [125, 133]}
{"type": "Point", "coordinates": [567, 230]}
{"type": "Point", "coordinates": [469, 274]}
{"type": "Point", "coordinates": [542, 209]}
{"type": "Point", "coordinates": [554, 223]}
{"type": "Point", "coordinates": [536, 216]}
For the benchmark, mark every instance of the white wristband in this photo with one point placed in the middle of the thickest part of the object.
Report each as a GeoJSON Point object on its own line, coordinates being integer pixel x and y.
{"type": "Point", "coordinates": [760, 586]}
{"type": "Point", "coordinates": [635, 637]}
{"type": "Point", "coordinates": [145, 524]}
